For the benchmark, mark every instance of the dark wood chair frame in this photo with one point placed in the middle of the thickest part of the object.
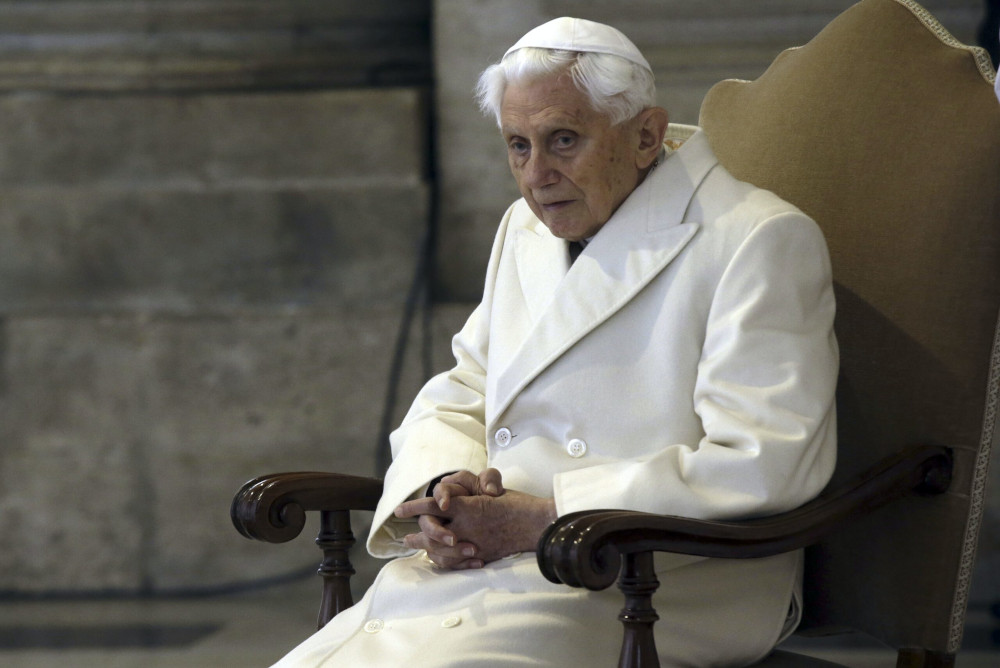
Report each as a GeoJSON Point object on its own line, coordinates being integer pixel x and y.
{"type": "Point", "coordinates": [593, 549]}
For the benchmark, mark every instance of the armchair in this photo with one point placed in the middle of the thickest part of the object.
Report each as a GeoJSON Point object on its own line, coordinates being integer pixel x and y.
{"type": "Point", "coordinates": [887, 132]}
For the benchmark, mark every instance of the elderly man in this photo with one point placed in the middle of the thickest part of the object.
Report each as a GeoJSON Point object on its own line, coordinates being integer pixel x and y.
{"type": "Point", "coordinates": [653, 335]}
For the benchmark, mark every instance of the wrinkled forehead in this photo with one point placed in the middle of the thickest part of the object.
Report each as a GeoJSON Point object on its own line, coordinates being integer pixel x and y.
{"type": "Point", "coordinates": [553, 72]}
{"type": "Point", "coordinates": [553, 98]}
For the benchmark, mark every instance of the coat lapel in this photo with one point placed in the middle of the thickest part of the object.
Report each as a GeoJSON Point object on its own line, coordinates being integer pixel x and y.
{"type": "Point", "coordinates": [542, 263]}
{"type": "Point", "coordinates": [566, 302]}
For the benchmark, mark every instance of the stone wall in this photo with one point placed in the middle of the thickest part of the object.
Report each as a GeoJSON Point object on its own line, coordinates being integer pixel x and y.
{"type": "Point", "coordinates": [212, 215]}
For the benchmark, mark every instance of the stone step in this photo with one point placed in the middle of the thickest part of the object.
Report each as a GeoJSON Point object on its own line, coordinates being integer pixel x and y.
{"type": "Point", "coordinates": [212, 201]}
{"type": "Point", "coordinates": [125, 436]}
{"type": "Point", "coordinates": [171, 45]}
{"type": "Point", "coordinates": [74, 249]}
{"type": "Point", "coordinates": [212, 139]}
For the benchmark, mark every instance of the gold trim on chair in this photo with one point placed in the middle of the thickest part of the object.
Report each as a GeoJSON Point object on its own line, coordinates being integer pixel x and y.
{"type": "Point", "coordinates": [977, 501]}
{"type": "Point", "coordinates": [980, 55]}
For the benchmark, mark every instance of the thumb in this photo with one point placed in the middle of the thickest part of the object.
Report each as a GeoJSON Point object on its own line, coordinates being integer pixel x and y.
{"type": "Point", "coordinates": [491, 482]}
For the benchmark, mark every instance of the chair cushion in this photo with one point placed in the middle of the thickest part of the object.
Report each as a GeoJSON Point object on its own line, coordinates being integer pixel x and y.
{"type": "Point", "coordinates": [886, 130]}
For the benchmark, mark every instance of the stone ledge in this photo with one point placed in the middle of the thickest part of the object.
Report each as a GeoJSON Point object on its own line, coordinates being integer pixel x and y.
{"type": "Point", "coordinates": [73, 250]}
{"type": "Point", "coordinates": [126, 436]}
{"type": "Point", "coordinates": [212, 139]}
{"type": "Point", "coordinates": [115, 45]}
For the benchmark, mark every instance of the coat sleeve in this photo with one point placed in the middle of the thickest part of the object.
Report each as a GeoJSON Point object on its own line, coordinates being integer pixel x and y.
{"type": "Point", "coordinates": [444, 430]}
{"type": "Point", "coordinates": [764, 393]}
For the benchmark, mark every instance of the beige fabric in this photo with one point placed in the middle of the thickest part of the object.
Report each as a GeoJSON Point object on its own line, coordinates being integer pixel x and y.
{"type": "Point", "coordinates": [886, 131]}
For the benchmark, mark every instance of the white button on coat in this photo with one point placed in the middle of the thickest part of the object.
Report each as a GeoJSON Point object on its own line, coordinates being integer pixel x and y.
{"type": "Point", "coordinates": [374, 625]}
{"type": "Point", "coordinates": [576, 448]}
{"type": "Point", "coordinates": [451, 622]}
{"type": "Point", "coordinates": [502, 437]}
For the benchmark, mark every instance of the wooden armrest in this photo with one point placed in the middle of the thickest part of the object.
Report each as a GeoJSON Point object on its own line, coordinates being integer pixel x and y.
{"type": "Point", "coordinates": [584, 549]}
{"type": "Point", "coordinates": [273, 508]}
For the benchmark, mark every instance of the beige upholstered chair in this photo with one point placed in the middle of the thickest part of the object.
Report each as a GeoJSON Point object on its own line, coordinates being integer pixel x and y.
{"type": "Point", "coordinates": [887, 132]}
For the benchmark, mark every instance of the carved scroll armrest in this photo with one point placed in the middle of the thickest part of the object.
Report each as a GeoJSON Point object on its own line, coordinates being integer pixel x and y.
{"type": "Point", "coordinates": [272, 508]}
{"type": "Point", "coordinates": [583, 549]}
{"type": "Point", "coordinates": [592, 549]}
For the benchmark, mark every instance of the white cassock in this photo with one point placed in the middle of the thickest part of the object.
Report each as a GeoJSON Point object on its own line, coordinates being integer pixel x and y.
{"type": "Point", "coordinates": [996, 86]}
{"type": "Point", "coordinates": [684, 364]}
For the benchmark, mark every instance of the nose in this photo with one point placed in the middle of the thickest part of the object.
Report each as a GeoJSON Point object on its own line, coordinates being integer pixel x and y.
{"type": "Point", "coordinates": [539, 171]}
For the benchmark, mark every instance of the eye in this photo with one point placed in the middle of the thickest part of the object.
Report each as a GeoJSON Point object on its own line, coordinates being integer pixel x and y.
{"type": "Point", "coordinates": [517, 145]}
{"type": "Point", "coordinates": [564, 140]}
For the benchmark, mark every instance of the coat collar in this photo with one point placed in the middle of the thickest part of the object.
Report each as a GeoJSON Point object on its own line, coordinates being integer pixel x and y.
{"type": "Point", "coordinates": [566, 302]}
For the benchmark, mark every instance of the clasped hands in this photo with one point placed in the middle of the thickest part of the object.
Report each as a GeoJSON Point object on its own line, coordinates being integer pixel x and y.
{"type": "Point", "coordinates": [471, 520]}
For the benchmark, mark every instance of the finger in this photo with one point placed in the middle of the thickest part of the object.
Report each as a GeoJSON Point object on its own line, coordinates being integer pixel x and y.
{"type": "Point", "coordinates": [461, 563]}
{"type": "Point", "coordinates": [460, 557]}
{"type": "Point", "coordinates": [460, 483]}
{"type": "Point", "coordinates": [434, 529]}
{"type": "Point", "coordinates": [491, 482]}
{"type": "Point", "coordinates": [444, 491]}
{"type": "Point", "coordinates": [465, 479]}
{"type": "Point", "coordinates": [466, 564]}
{"type": "Point", "coordinates": [417, 507]}
{"type": "Point", "coordinates": [455, 564]}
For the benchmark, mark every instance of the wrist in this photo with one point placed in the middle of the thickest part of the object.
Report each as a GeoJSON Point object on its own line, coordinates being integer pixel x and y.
{"type": "Point", "coordinates": [551, 514]}
{"type": "Point", "coordinates": [544, 515]}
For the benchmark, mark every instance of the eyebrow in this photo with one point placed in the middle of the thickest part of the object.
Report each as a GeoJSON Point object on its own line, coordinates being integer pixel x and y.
{"type": "Point", "coordinates": [562, 125]}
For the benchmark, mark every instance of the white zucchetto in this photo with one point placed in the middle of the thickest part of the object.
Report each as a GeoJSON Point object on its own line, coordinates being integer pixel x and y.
{"type": "Point", "coordinates": [569, 34]}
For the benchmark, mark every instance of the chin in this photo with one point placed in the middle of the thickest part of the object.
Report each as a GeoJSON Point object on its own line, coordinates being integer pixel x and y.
{"type": "Point", "coordinates": [563, 229]}
{"type": "Point", "coordinates": [563, 233]}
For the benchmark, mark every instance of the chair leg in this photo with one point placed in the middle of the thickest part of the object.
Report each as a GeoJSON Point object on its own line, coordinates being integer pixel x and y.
{"type": "Point", "coordinates": [910, 657]}
{"type": "Point", "coordinates": [335, 539]}
{"type": "Point", "coordinates": [638, 582]}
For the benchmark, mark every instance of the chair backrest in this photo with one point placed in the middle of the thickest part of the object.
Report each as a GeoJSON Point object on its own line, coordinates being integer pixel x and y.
{"type": "Point", "coordinates": [886, 130]}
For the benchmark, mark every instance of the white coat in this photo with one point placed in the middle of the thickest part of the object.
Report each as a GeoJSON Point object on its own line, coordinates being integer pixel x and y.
{"type": "Point", "coordinates": [684, 364]}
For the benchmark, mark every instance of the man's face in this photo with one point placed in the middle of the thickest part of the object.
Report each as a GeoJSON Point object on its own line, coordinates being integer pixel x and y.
{"type": "Point", "coordinates": [573, 168]}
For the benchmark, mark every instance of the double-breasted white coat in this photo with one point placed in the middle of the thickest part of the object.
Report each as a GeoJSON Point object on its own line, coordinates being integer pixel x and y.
{"type": "Point", "coordinates": [685, 364]}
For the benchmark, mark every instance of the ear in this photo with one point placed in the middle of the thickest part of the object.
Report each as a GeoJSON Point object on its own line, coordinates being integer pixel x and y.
{"type": "Point", "coordinates": [652, 126]}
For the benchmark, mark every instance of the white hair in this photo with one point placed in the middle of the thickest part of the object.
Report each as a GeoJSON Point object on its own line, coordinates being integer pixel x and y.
{"type": "Point", "coordinates": [615, 86]}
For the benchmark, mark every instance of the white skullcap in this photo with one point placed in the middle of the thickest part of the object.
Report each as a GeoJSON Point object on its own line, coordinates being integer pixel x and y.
{"type": "Point", "coordinates": [569, 34]}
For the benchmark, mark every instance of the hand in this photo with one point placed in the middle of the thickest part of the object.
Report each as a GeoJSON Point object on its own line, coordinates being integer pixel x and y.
{"type": "Point", "coordinates": [442, 545]}
{"type": "Point", "coordinates": [466, 483]}
{"type": "Point", "coordinates": [461, 528]}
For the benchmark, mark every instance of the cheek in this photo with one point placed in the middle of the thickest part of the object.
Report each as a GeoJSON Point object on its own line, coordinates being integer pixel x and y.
{"type": "Point", "coordinates": [620, 180]}
{"type": "Point", "coordinates": [607, 186]}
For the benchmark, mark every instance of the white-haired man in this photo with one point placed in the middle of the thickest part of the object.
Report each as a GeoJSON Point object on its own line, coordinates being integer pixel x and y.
{"type": "Point", "coordinates": [653, 335]}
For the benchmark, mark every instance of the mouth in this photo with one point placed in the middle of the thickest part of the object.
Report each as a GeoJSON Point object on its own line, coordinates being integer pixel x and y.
{"type": "Point", "coordinates": [556, 206]}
